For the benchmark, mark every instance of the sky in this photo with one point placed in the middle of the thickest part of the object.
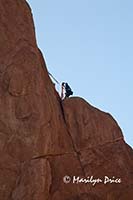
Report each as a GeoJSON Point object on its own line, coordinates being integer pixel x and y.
{"type": "Point", "coordinates": [89, 44]}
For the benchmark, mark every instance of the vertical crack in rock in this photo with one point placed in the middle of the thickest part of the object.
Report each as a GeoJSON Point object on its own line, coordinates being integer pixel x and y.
{"type": "Point", "coordinates": [69, 134]}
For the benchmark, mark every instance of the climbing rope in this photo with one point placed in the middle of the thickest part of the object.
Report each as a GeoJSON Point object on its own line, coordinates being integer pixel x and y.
{"type": "Point", "coordinates": [54, 78]}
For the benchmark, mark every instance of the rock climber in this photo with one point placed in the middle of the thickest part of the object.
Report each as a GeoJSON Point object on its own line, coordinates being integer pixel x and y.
{"type": "Point", "coordinates": [66, 90]}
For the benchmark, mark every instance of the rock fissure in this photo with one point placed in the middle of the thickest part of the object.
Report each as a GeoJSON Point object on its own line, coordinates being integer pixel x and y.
{"type": "Point", "coordinates": [50, 155]}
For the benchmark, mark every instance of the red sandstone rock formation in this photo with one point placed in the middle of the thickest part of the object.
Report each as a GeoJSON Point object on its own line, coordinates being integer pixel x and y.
{"type": "Point", "coordinates": [43, 139]}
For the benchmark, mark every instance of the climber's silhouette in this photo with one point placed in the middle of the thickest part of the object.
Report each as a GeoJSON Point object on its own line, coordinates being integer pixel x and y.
{"type": "Point", "coordinates": [66, 89]}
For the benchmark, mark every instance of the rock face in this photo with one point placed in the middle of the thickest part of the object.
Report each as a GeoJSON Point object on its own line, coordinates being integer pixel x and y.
{"type": "Point", "coordinates": [42, 139]}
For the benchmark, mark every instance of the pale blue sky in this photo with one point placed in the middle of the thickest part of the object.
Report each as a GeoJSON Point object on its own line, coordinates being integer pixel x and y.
{"type": "Point", "coordinates": [89, 44]}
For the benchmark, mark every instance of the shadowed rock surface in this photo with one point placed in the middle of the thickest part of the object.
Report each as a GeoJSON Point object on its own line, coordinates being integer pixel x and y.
{"type": "Point", "coordinates": [43, 139]}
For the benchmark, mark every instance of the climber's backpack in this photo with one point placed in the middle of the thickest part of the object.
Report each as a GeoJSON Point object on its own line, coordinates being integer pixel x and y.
{"type": "Point", "coordinates": [68, 90]}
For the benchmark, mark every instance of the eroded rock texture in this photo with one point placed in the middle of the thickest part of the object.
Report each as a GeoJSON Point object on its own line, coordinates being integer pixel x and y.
{"type": "Point", "coordinates": [43, 139]}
